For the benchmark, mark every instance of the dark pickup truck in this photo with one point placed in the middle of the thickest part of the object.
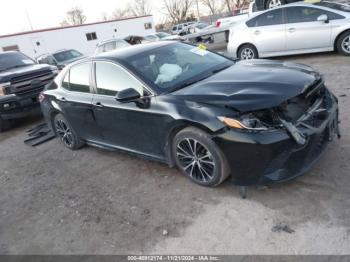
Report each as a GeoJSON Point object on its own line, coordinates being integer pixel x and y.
{"type": "Point", "coordinates": [21, 81]}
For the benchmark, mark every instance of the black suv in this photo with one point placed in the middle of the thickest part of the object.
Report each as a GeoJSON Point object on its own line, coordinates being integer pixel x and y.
{"type": "Point", "coordinates": [21, 81]}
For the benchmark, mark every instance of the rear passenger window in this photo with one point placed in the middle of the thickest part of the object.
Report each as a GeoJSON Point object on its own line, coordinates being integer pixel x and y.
{"type": "Point", "coordinates": [274, 17]}
{"type": "Point", "coordinates": [78, 79]}
{"type": "Point", "coordinates": [109, 46]}
{"type": "Point", "coordinates": [65, 82]}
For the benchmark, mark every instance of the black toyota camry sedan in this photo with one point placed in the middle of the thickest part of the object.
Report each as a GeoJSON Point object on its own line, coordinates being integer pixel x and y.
{"type": "Point", "coordinates": [259, 121]}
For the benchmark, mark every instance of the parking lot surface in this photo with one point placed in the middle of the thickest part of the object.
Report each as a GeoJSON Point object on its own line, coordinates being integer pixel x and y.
{"type": "Point", "coordinates": [93, 201]}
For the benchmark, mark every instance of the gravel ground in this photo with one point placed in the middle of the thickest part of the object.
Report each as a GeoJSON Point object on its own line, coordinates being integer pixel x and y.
{"type": "Point", "coordinates": [93, 201]}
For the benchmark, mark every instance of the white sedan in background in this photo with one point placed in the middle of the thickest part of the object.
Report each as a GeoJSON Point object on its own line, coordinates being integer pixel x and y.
{"type": "Point", "coordinates": [293, 29]}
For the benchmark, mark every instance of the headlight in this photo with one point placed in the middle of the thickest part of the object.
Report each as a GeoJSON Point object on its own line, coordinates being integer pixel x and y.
{"type": "Point", "coordinates": [2, 88]}
{"type": "Point", "coordinates": [55, 71]}
{"type": "Point", "coordinates": [247, 122]}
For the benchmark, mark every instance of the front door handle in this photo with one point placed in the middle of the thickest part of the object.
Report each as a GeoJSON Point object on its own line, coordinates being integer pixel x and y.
{"type": "Point", "coordinates": [291, 30]}
{"type": "Point", "coordinates": [98, 104]}
{"type": "Point", "coordinates": [257, 32]}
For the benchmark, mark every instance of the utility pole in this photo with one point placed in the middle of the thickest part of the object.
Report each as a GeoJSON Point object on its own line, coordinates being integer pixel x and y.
{"type": "Point", "coordinates": [29, 21]}
{"type": "Point", "coordinates": [198, 16]}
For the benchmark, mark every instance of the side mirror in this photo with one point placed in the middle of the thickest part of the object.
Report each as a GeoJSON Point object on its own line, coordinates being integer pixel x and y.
{"type": "Point", "coordinates": [323, 18]}
{"type": "Point", "coordinates": [127, 95]}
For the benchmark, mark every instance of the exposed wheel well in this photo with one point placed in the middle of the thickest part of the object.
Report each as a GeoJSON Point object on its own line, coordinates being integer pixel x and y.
{"type": "Point", "coordinates": [243, 45]}
{"type": "Point", "coordinates": [336, 39]}
{"type": "Point", "coordinates": [52, 115]}
{"type": "Point", "coordinates": [172, 133]}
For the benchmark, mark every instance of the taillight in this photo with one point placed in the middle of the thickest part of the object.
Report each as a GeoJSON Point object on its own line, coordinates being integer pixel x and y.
{"type": "Point", "coordinates": [41, 97]}
{"type": "Point", "coordinates": [218, 23]}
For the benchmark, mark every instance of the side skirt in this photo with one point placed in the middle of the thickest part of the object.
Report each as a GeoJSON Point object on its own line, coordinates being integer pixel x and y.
{"type": "Point", "coordinates": [126, 150]}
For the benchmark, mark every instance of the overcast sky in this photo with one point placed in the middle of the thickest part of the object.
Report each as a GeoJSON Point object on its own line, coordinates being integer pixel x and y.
{"type": "Point", "coordinates": [49, 13]}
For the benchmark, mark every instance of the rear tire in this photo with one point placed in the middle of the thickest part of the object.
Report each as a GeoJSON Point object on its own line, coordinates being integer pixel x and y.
{"type": "Point", "coordinates": [248, 52]}
{"type": "Point", "coordinates": [4, 125]}
{"type": "Point", "coordinates": [343, 44]}
{"type": "Point", "coordinates": [199, 158]}
{"type": "Point", "coordinates": [66, 133]}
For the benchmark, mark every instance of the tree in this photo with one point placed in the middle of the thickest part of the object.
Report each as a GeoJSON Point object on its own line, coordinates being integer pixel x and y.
{"type": "Point", "coordinates": [136, 8]}
{"type": "Point", "coordinates": [104, 16]}
{"type": "Point", "coordinates": [121, 13]}
{"type": "Point", "coordinates": [140, 8]}
{"type": "Point", "coordinates": [74, 16]}
{"type": "Point", "coordinates": [235, 4]}
{"type": "Point", "coordinates": [215, 6]}
{"type": "Point", "coordinates": [178, 10]}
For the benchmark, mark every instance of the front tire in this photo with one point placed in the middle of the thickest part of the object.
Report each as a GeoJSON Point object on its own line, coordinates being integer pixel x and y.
{"type": "Point", "coordinates": [199, 158]}
{"type": "Point", "coordinates": [247, 52]}
{"type": "Point", "coordinates": [343, 44]}
{"type": "Point", "coordinates": [66, 133]}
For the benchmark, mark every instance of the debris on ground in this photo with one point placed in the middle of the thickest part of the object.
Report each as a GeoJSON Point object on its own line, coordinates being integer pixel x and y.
{"type": "Point", "coordinates": [342, 95]}
{"type": "Point", "coordinates": [165, 232]}
{"type": "Point", "coordinates": [39, 134]}
{"type": "Point", "coordinates": [281, 227]}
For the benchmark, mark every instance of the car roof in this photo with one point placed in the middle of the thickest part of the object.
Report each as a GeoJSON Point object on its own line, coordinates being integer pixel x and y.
{"type": "Point", "coordinates": [133, 50]}
{"type": "Point", "coordinates": [306, 4]}
{"type": "Point", "coordinates": [110, 40]}
{"type": "Point", "coordinates": [310, 4]}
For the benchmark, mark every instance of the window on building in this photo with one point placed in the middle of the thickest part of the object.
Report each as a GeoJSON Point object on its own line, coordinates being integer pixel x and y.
{"type": "Point", "coordinates": [148, 26]}
{"type": "Point", "coordinates": [91, 36]}
{"type": "Point", "coordinates": [10, 48]}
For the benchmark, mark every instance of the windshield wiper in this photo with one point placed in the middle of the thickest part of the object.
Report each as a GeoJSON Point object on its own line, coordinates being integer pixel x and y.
{"type": "Point", "coordinates": [16, 66]}
{"type": "Point", "coordinates": [187, 83]}
{"type": "Point", "coordinates": [220, 69]}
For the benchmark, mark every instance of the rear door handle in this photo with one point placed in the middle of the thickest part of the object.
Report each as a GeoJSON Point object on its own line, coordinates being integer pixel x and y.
{"type": "Point", "coordinates": [257, 32]}
{"type": "Point", "coordinates": [98, 104]}
{"type": "Point", "coordinates": [291, 30]}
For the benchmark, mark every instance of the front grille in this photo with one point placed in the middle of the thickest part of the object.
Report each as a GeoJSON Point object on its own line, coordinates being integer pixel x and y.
{"type": "Point", "coordinates": [26, 83]}
{"type": "Point", "coordinates": [310, 108]}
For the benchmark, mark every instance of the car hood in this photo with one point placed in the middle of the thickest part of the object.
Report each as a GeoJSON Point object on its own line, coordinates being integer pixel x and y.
{"type": "Point", "coordinates": [6, 76]}
{"type": "Point", "coordinates": [252, 85]}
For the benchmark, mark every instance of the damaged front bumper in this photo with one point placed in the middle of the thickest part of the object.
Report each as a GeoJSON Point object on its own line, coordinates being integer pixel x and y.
{"type": "Point", "coordinates": [282, 154]}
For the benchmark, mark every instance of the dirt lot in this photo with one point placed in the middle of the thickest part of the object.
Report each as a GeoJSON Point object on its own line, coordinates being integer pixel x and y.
{"type": "Point", "coordinates": [92, 201]}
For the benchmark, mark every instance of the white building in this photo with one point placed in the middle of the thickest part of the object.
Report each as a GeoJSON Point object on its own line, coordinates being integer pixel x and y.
{"type": "Point", "coordinates": [81, 37]}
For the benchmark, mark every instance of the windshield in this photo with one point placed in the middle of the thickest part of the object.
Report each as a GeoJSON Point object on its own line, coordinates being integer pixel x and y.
{"type": "Point", "coordinates": [162, 34]}
{"type": "Point", "coordinates": [67, 55]}
{"type": "Point", "coordinates": [13, 60]}
{"type": "Point", "coordinates": [151, 37]}
{"type": "Point", "coordinates": [336, 6]}
{"type": "Point", "coordinates": [176, 65]}
{"type": "Point", "coordinates": [201, 26]}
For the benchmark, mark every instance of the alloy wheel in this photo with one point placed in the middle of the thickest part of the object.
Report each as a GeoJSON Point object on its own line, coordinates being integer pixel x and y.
{"type": "Point", "coordinates": [64, 132]}
{"type": "Point", "coordinates": [274, 3]}
{"type": "Point", "coordinates": [195, 159]}
{"type": "Point", "coordinates": [247, 54]}
{"type": "Point", "coordinates": [346, 44]}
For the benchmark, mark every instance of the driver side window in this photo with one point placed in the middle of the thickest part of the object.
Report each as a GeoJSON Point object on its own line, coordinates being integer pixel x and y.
{"type": "Point", "coordinates": [111, 79]}
{"type": "Point", "coordinates": [303, 14]}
